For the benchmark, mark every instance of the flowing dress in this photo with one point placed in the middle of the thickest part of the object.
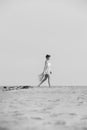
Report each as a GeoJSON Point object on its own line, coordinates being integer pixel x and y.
{"type": "Point", "coordinates": [47, 71]}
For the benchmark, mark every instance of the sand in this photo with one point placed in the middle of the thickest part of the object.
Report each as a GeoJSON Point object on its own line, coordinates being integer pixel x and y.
{"type": "Point", "coordinates": [44, 108]}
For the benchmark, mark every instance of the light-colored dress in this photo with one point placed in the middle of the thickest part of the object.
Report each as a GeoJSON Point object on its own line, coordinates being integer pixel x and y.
{"type": "Point", "coordinates": [47, 70]}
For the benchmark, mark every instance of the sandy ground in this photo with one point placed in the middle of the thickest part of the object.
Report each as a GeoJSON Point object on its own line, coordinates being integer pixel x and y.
{"type": "Point", "coordinates": [56, 108]}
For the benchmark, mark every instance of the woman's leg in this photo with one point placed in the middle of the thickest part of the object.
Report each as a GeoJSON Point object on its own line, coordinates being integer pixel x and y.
{"type": "Point", "coordinates": [45, 78]}
{"type": "Point", "coordinates": [49, 80]}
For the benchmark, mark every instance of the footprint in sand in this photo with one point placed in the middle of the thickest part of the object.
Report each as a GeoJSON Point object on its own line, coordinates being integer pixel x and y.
{"type": "Point", "coordinates": [72, 114]}
{"type": "Point", "coordinates": [37, 118]}
{"type": "Point", "coordinates": [55, 123]}
{"type": "Point", "coordinates": [60, 122]}
{"type": "Point", "coordinates": [62, 114]}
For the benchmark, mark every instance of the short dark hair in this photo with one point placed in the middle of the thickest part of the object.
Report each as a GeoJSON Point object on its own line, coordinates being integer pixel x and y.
{"type": "Point", "coordinates": [47, 56]}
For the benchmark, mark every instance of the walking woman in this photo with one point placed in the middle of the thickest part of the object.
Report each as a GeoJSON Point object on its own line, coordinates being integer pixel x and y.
{"type": "Point", "coordinates": [46, 72]}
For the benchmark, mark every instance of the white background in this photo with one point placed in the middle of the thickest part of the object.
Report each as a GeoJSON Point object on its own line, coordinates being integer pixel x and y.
{"type": "Point", "coordinates": [30, 29]}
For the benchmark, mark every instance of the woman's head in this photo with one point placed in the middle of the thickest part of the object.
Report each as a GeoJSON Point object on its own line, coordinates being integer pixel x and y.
{"type": "Point", "coordinates": [48, 57]}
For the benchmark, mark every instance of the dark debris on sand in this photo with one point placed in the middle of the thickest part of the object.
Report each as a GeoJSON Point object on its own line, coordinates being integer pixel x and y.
{"type": "Point", "coordinates": [8, 88]}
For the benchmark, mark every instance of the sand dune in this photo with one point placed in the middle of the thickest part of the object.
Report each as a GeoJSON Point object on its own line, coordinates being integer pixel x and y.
{"type": "Point", "coordinates": [56, 108]}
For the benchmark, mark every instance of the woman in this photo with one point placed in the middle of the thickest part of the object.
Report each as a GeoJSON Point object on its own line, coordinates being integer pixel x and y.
{"type": "Point", "coordinates": [46, 72]}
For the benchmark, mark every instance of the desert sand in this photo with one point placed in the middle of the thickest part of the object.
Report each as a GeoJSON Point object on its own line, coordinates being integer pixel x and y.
{"type": "Point", "coordinates": [44, 108]}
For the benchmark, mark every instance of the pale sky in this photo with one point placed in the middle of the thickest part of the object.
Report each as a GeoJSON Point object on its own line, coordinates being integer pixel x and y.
{"type": "Point", "coordinates": [30, 29]}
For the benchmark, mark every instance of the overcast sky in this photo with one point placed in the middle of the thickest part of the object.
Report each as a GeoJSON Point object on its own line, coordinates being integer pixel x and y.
{"type": "Point", "coordinates": [29, 29]}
